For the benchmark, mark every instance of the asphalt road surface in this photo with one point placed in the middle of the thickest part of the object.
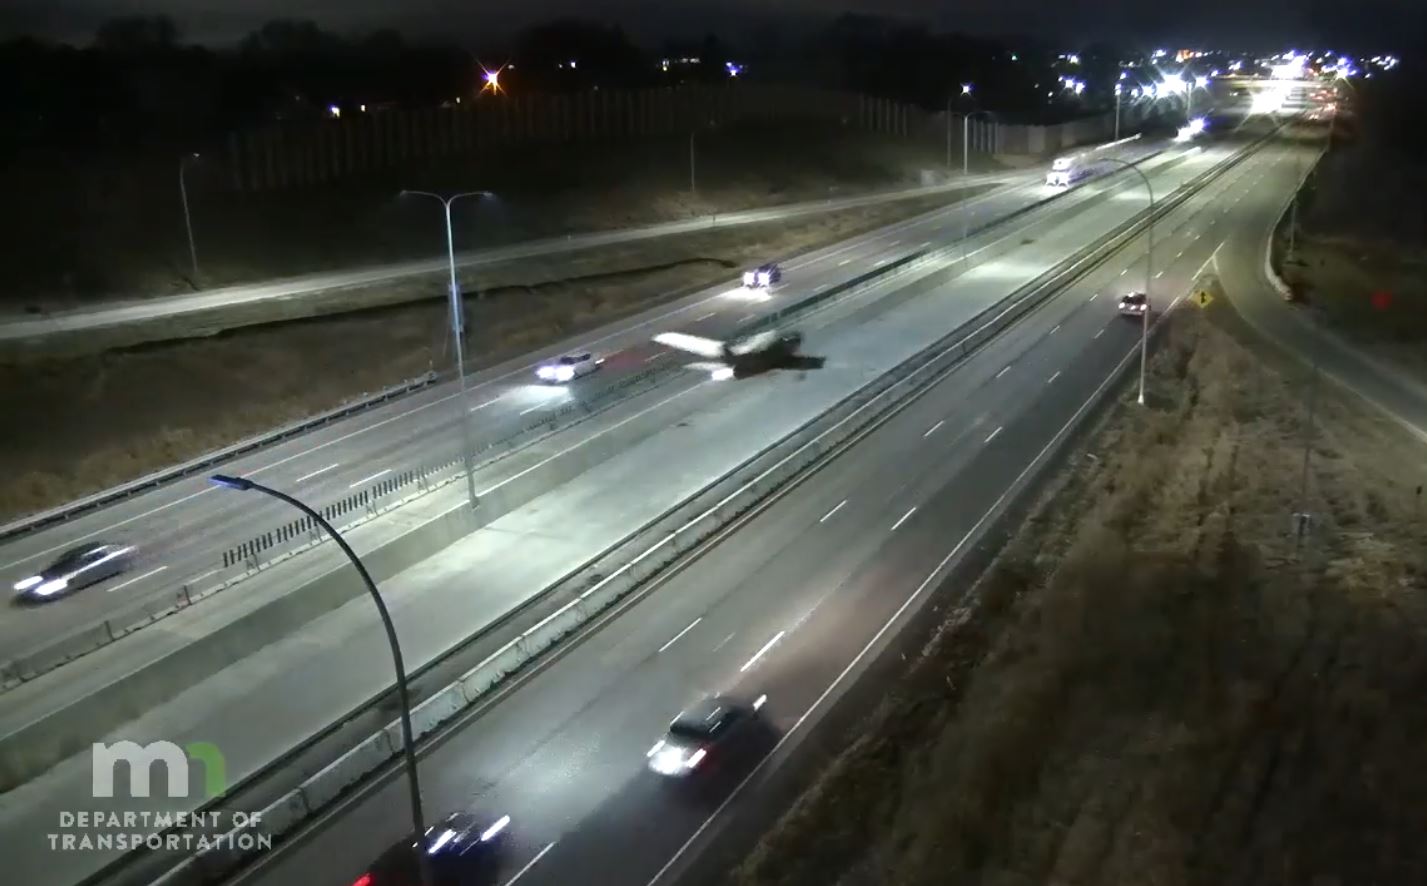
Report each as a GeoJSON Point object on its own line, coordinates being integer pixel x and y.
{"type": "Point", "coordinates": [792, 604]}
{"type": "Point", "coordinates": [182, 528]}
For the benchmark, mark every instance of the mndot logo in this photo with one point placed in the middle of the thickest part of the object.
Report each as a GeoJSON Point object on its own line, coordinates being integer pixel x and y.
{"type": "Point", "coordinates": [141, 759]}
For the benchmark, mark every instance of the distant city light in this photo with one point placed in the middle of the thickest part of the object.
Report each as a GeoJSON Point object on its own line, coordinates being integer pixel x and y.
{"type": "Point", "coordinates": [966, 89]}
{"type": "Point", "coordinates": [334, 112]}
{"type": "Point", "coordinates": [733, 68]}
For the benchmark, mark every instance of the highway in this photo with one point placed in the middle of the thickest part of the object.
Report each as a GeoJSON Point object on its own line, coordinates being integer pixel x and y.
{"type": "Point", "coordinates": [306, 681]}
{"type": "Point", "coordinates": [793, 604]}
{"type": "Point", "coordinates": [255, 294]}
{"type": "Point", "coordinates": [182, 528]}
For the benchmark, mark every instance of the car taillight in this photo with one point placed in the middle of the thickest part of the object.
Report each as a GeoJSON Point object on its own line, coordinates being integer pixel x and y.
{"type": "Point", "coordinates": [363, 880]}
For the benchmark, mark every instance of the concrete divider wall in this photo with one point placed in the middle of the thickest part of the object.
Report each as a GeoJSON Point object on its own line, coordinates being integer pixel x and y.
{"type": "Point", "coordinates": [742, 489]}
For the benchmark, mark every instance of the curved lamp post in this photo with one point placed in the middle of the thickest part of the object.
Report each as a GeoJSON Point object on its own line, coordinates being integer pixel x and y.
{"type": "Point", "coordinates": [1149, 273]}
{"type": "Point", "coordinates": [458, 326]}
{"type": "Point", "coordinates": [243, 484]}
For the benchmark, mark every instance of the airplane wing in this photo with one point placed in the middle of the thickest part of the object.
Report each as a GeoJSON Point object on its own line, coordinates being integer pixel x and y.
{"type": "Point", "coordinates": [754, 343]}
{"type": "Point", "coordinates": [693, 344]}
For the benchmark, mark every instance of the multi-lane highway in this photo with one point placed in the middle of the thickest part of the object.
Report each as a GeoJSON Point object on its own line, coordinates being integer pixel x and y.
{"type": "Point", "coordinates": [182, 528]}
{"type": "Point", "coordinates": [792, 604]}
{"type": "Point", "coordinates": [323, 672]}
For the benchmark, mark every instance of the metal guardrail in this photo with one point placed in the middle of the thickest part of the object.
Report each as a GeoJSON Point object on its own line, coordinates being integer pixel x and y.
{"type": "Point", "coordinates": [34, 522]}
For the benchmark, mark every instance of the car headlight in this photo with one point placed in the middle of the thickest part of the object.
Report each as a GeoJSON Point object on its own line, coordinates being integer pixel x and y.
{"type": "Point", "coordinates": [53, 586]}
{"type": "Point", "coordinates": [667, 759]}
{"type": "Point", "coordinates": [545, 372]}
{"type": "Point", "coordinates": [494, 830]}
{"type": "Point", "coordinates": [565, 373]}
{"type": "Point", "coordinates": [25, 584]}
{"type": "Point", "coordinates": [750, 278]}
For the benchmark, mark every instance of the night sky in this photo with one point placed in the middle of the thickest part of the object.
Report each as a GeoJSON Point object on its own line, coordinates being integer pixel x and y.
{"type": "Point", "coordinates": [1370, 24]}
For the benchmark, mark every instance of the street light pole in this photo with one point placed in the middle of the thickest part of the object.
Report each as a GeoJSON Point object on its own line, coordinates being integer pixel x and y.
{"type": "Point", "coordinates": [187, 219]}
{"type": "Point", "coordinates": [965, 90]}
{"type": "Point", "coordinates": [1118, 91]}
{"type": "Point", "coordinates": [1149, 275]}
{"type": "Point", "coordinates": [458, 329]}
{"type": "Point", "coordinates": [693, 180]}
{"type": "Point", "coordinates": [965, 154]}
{"type": "Point", "coordinates": [243, 484]}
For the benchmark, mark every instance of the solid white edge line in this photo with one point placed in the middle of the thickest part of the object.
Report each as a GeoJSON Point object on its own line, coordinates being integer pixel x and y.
{"type": "Point", "coordinates": [828, 515]}
{"type": "Point", "coordinates": [530, 864]}
{"type": "Point", "coordinates": [150, 573]}
{"type": "Point", "coordinates": [676, 637]}
{"type": "Point", "coordinates": [306, 477]}
{"type": "Point", "coordinates": [905, 518]}
{"type": "Point", "coordinates": [862, 653]}
{"type": "Point", "coordinates": [762, 652]}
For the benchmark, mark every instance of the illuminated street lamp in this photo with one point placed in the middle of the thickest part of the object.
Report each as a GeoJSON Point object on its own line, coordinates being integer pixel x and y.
{"type": "Point", "coordinates": [458, 328]}
{"type": "Point", "coordinates": [243, 484]}
{"type": "Point", "coordinates": [966, 89]}
{"type": "Point", "coordinates": [1149, 273]}
{"type": "Point", "coordinates": [187, 219]}
{"type": "Point", "coordinates": [1119, 89]}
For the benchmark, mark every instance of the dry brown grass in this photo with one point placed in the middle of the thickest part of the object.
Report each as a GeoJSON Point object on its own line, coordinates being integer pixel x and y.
{"type": "Point", "coordinates": [1167, 690]}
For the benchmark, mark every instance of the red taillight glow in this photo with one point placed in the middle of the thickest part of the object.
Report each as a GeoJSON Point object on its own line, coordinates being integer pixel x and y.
{"type": "Point", "coordinates": [363, 880]}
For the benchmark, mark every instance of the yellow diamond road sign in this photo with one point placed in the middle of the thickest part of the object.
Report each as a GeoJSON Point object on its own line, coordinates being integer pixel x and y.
{"type": "Point", "coordinates": [1202, 298]}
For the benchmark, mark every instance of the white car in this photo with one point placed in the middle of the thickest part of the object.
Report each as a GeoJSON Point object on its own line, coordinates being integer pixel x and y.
{"type": "Point", "coordinates": [568, 368]}
{"type": "Point", "coordinates": [74, 569]}
{"type": "Point", "coordinates": [1134, 304]}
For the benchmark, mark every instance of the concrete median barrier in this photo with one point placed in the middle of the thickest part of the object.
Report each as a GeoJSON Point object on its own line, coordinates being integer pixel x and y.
{"type": "Point", "coordinates": [504, 661]}
{"type": "Point", "coordinates": [437, 709]}
{"type": "Point", "coordinates": [328, 783]}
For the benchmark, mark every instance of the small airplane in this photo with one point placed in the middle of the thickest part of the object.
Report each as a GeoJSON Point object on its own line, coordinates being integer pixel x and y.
{"type": "Point", "coordinates": [758, 353]}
